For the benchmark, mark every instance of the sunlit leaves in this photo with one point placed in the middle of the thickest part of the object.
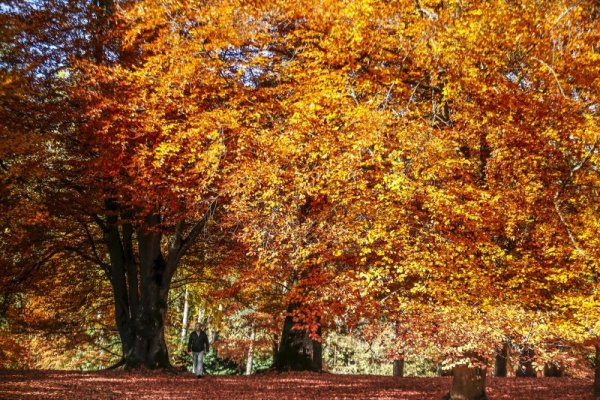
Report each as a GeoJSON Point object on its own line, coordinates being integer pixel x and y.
{"type": "Point", "coordinates": [369, 156]}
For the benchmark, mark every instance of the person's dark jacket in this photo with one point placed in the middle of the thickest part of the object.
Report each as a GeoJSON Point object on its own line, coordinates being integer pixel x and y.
{"type": "Point", "coordinates": [198, 342]}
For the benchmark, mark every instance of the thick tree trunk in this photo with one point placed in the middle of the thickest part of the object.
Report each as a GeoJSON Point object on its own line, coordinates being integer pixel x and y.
{"type": "Point", "coordinates": [526, 369]}
{"type": "Point", "coordinates": [597, 371]}
{"type": "Point", "coordinates": [119, 281]}
{"type": "Point", "coordinates": [142, 331]}
{"type": "Point", "coordinates": [398, 367]}
{"type": "Point", "coordinates": [150, 348]}
{"type": "Point", "coordinates": [297, 351]}
{"type": "Point", "coordinates": [502, 356]}
{"type": "Point", "coordinates": [141, 284]}
{"type": "Point", "coordinates": [468, 383]}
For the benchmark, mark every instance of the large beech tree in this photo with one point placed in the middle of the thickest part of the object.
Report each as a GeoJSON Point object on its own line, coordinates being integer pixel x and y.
{"type": "Point", "coordinates": [457, 164]}
{"type": "Point", "coordinates": [159, 133]}
{"type": "Point", "coordinates": [135, 170]}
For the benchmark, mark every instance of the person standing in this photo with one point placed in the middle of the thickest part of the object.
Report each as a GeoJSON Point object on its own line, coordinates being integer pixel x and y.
{"type": "Point", "coordinates": [198, 346]}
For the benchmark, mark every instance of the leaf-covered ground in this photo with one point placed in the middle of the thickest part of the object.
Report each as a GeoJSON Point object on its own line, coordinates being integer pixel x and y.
{"type": "Point", "coordinates": [154, 385]}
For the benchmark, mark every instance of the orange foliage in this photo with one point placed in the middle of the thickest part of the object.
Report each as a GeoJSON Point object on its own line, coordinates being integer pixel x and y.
{"type": "Point", "coordinates": [372, 159]}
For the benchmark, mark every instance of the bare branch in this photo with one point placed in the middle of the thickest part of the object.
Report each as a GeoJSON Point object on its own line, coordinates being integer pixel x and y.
{"type": "Point", "coordinates": [553, 72]}
{"type": "Point", "coordinates": [566, 226]}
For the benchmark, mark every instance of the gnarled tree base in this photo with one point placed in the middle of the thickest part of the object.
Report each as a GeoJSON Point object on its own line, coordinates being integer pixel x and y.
{"type": "Point", "coordinates": [398, 367]}
{"type": "Point", "coordinates": [502, 356]}
{"type": "Point", "coordinates": [468, 383]}
{"type": "Point", "coordinates": [297, 351]}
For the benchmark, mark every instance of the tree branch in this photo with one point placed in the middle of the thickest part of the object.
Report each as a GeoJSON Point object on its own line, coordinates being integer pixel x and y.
{"type": "Point", "coordinates": [105, 267]}
{"type": "Point", "coordinates": [92, 243]}
{"type": "Point", "coordinates": [180, 245]}
{"type": "Point", "coordinates": [553, 72]}
{"type": "Point", "coordinates": [196, 230]}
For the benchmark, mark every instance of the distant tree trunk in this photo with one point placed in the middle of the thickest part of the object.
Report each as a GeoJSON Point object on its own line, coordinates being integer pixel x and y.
{"type": "Point", "coordinates": [214, 340]}
{"type": "Point", "coordinates": [502, 356]}
{"type": "Point", "coordinates": [597, 371]}
{"type": "Point", "coordinates": [335, 353]}
{"type": "Point", "coordinates": [441, 371]}
{"type": "Point", "coordinates": [468, 383]}
{"type": "Point", "coordinates": [186, 312]}
{"type": "Point", "coordinates": [250, 358]}
{"type": "Point", "coordinates": [317, 358]}
{"type": "Point", "coordinates": [214, 335]}
{"type": "Point", "coordinates": [510, 363]}
{"type": "Point", "coordinates": [297, 351]}
{"type": "Point", "coordinates": [398, 367]}
{"type": "Point", "coordinates": [200, 315]}
{"type": "Point", "coordinates": [553, 370]}
{"type": "Point", "coordinates": [525, 369]}
{"type": "Point", "coordinates": [398, 364]}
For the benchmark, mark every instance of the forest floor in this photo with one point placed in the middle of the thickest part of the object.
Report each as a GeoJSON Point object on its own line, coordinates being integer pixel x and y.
{"type": "Point", "coordinates": [37, 384]}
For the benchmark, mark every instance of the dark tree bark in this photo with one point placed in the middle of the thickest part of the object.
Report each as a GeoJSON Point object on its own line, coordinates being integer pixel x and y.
{"type": "Point", "coordinates": [141, 284]}
{"type": "Point", "coordinates": [398, 364]}
{"type": "Point", "coordinates": [297, 351]}
{"type": "Point", "coordinates": [118, 280]}
{"type": "Point", "coordinates": [485, 151]}
{"type": "Point", "coordinates": [553, 370]}
{"type": "Point", "coordinates": [150, 349]}
{"type": "Point", "coordinates": [526, 369]}
{"type": "Point", "coordinates": [317, 358]}
{"type": "Point", "coordinates": [398, 367]}
{"type": "Point", "coordinates": [468, 383]}
{"type": "Point", "coordinates": [502, 355]}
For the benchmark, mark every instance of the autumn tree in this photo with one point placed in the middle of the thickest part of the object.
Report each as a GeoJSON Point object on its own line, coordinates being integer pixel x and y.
{"type": "Point", "coordinates": [491, 188]}
{"type": "Point", "coordinates": [82, 181]}
{"type": "Point", "coordinates": [443, 162]}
